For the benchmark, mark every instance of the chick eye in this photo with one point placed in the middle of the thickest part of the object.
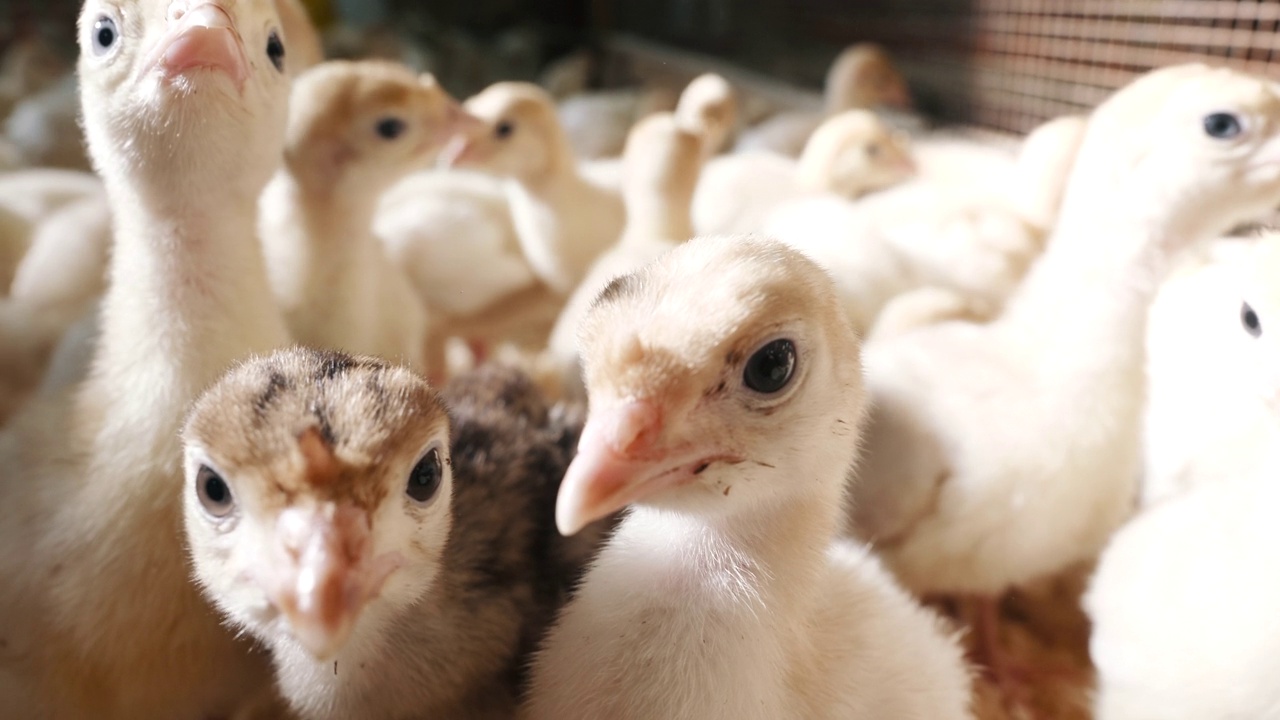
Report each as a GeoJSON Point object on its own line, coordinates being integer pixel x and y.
{"type": "Point", "coordinates": [390, 128]}
{"type": "Point", "coordinates": [873, 150]}
{"type": "Point", "coordinates": [105, 34]}
{"type": "Point", "coordinates": [424, 481]}
{"type": "Point", "coordinates": [1223, 126]}
{"type": "Point", "coordinates": [504, 129]}
{"type": "Point", "coordinates": [213, 492]}
{"type": "Point", "coordinates": [771, 367]}
{"type": "Point", "coordinates": [275, 50]}
{"type": "Point", "coordinates": [1249, 319]}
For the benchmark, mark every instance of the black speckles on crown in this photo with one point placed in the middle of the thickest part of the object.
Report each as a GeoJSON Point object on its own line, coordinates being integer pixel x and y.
{"type": "Point", "coordinates": [333, 364]}
{"type": "Point", "coordinates": [276, 383]}
{"type": "Point", "coordinates": [615, 289]}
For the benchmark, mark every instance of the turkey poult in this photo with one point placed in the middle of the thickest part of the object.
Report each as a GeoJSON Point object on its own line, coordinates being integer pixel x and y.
{"type": "Point", "coordinates": [563, 219]}
{"type": "Point", "coordinates": [392, 546]}
{"type": "Point", "coordinates": [184, 109]}
{"type": "Point", "coordinates": [1204, 419]}
{"type": "Point", "coordinates": [726, 414]}
{"type": "Point", "coordinates": [1001, 453]}
{"type": "Point", "coordinates": [661, 164]}
{"type": "Point", "coordinates": [1183, 601]}
{"type": "Point", "coordinates": [355, 128]}
{"type": "Point", "coordinates": [862, 76]}
{"type": "Point", "coordinates": [849, 155]}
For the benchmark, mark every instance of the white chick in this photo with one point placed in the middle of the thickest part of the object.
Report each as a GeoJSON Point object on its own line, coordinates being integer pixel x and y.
{"type": "Point", "coordinates": [563, 219]}
{"type": "Point", "coordinates": [1183, 603]}
{"type": "Point", "coordinates": [862, 76]}
{"type": "Point", "coordinates": [395, 569]}
{"type": "Point", "coordinates": [355, 128]}
{"type": "Point", "coordinates": [1001, 453]}
{"type": "Point", "coordinates": [850, 154]}
{"type": "Point", "coordinates": [707, 106]}
{"type": "Point", "coordinates": [1202, 420]}
{"type": "Point", "coordinates": [184, 108]}
{"type": "Point", "coordinates": [661, 164]}
{"type": "Point", "coordinates": [59, 280]}
{"type": "Point", "coordinates": [726, 400]}
{"type": "Point", "coordinates": [966, 250]}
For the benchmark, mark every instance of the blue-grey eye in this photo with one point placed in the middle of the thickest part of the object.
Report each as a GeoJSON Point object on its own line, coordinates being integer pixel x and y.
{"type": "Point", "coordinates": [105, 35]}
{"type": "Point", "coordinates": [1223, 126]}
{"type": "Point", "coordinates": [215, 495]}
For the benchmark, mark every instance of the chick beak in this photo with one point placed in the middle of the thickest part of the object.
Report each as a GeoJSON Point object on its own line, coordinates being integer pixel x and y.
{"type": "Point", "coordinates": [456, 127]}
{"type": "Point", "coordinates": [617, 464]}
{"type": "Point", "coordinates": [203, 36]}
{"type": "Point", "coordinates": [470, 142]}
{"type": "Point", "coordinates": [328, 574]}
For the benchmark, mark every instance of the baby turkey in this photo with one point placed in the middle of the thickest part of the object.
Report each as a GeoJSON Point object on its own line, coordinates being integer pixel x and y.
{"type": "Point", "coordinates": [1004, 452]}
{"type": "Point", "coordinates": [725, 405]}
{"type": "Point", "coordinates": [397, 558]}
{"type": "Point", "coordinates": [355, 128]}
{"type": "Point", "coordinates": [1183, 602]}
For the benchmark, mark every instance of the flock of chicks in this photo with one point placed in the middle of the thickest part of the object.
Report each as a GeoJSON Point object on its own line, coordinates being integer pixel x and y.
{"type": "Point", "coordinates": [872, 378]}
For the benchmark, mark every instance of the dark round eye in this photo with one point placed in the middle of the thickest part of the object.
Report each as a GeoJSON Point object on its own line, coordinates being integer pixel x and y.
{"type": "Point", "coordinates": [275, 50]}
{"type": "Point", "coordinates": [504, 129]}
{"type": "Point", "coordinates": [424, 481]}
{"type": "Point", "coordinates": [390, 128]}
{"type": "Point", "coordinates": [214, 494]}
{"type": "Point", "coordinates": [1223, 126]}
{"type": "Point", "coordinates": [105, 34]}
{"type": "Point", "coordinates": [1249, 319]}
{"type": "Point", "coordinates": [873, 150]}
{"type": "Point", "coordinates": [771, 367]}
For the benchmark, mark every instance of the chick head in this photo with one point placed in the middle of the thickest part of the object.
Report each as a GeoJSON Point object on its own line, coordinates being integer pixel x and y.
{"type": "Point", "coordinates": [317, 494]}
{"type": "Point", "coordinates": [710, 374]}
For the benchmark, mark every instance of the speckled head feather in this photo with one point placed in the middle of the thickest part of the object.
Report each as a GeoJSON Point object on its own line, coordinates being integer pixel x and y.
{"type": "Point", "coordinates": [316, 423]}
{"type": "Point", "coordinates": [318, 491]}
{"type": "Point", "coordinates": [425, 605]}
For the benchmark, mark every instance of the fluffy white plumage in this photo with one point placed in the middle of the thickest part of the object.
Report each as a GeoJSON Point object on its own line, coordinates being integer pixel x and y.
{"type": "Point", "coordinates": [998, 453]}
{"type": "Point", "coordinates": [721, 593]}
{"type": "Point", "coordinates": [1183, 603]}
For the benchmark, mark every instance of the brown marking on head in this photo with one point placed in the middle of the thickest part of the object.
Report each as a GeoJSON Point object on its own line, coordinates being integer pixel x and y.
{"type": "Point", "coordinates": [304, 423]}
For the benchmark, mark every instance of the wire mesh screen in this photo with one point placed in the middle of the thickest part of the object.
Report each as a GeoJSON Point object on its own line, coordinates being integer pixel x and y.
{"type": "Point", "coordinates": [1003, 64]}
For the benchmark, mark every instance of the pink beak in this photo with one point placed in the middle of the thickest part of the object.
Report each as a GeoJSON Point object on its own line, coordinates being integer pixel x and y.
{"type": "Point", "coordinates": [326, 575]}
{"type": "Point", "coordinates": [619, 463]}
{"type": "Point", "coordinates": [203, 37]}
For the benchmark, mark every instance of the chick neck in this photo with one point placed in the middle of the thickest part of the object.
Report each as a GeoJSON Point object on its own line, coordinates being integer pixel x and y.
{"type": "Point", "coordinates": [318, 236]}
{"type": "Point", "coordinates": [765, 556]}
{"type": "Point", "coordinates": [188, 296]}
{"type": "Point", "coordinates": [658, 208]}
{"type": "Point", "coordinates": [562, 221]}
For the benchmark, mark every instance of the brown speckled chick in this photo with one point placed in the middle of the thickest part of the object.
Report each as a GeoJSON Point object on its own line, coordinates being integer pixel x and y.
{"type": "Point", "coordinates": [399, 559]}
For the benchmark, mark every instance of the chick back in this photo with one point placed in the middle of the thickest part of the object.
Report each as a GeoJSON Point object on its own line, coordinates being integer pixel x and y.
{"type": "Point", "coordinates": [510, 451]}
